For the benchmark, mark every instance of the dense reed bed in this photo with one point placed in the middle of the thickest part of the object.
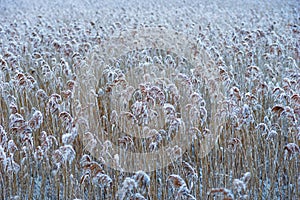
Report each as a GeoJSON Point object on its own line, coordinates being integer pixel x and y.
{"type": "Point", "coordinates": [149, 100]}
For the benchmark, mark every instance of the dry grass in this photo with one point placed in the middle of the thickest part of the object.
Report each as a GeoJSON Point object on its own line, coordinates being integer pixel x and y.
{"type": "Point", "coordinates": [87, 91]}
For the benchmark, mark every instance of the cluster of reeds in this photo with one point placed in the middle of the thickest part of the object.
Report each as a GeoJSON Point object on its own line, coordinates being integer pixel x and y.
{"type": "Point", "coordinates": [136, 100]}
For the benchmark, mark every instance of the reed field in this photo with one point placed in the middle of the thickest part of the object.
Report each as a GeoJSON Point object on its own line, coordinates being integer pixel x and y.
{"type": "Point", "coordinates": [133, 100]}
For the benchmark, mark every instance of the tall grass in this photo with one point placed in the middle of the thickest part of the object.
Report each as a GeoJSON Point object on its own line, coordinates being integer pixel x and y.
{"type": "Point", "coordinates": [205, 96]}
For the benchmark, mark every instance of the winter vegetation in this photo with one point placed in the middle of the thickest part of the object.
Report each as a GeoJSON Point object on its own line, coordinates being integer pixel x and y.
{"type": "Point", "coordinates": [133, 100]}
